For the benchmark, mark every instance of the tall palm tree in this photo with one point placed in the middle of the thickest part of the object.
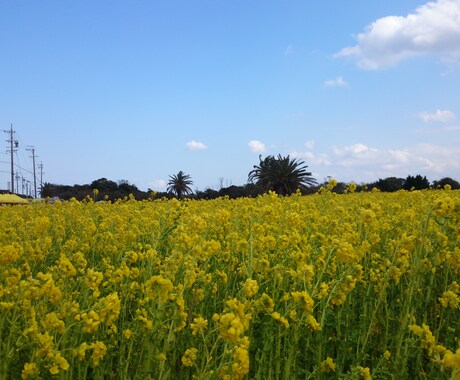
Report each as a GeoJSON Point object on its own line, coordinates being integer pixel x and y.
{"type": "Point", "coordinates": [281, 174]}
{"type": "Point", "coordinates": [179, 184]}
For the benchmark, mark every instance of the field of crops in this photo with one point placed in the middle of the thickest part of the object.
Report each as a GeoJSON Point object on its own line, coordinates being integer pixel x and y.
{"type": "Point", "coordinates": [353, 286]}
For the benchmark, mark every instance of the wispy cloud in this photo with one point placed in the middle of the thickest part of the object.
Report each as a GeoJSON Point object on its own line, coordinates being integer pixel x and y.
{"type": "Point", "coordinates": [337, 82]}
{"type": "Point", "coordinates": [157, 184]}
{"type": "Point", "coordinates": [310, 144]}
{"type": "Point", "coordinates": [433, 29]}
{"type": "Point", "coordinates": [196, 145]}
{"type": "Point", "coordinates": [313, 160]}
{"type": "Point", "coordinates": [439, 115]}
{"type": "Point", "coordinates": [437, 130]}
{"type": "Point", "coordinates": [289, 49]}
{"type": "Point", "coordinates": [307, 155]}
{"type": "Point", "coordinates": [452, 128]}
{"type": "Point", "coordinates": [257, 146]}
{"type": "Point", "coordinates": [361, 163]}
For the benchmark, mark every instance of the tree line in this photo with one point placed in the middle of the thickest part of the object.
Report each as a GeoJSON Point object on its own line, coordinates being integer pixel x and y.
{"type": "Point", "coordinates": [283, 175]}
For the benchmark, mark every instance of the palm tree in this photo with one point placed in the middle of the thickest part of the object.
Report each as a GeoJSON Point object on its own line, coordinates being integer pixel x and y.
{"type": "Point", "coordinates": [179, 184]}
{"type": "Point", "coordinates": [281, 174]}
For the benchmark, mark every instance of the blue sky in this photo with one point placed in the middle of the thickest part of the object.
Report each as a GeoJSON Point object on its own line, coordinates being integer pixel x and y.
{"type": "Point", "coordinates": [138, 90]}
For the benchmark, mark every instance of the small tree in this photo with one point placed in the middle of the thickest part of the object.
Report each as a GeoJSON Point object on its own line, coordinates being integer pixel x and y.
{"type": "Point", "coordinates": [416, 183]}
{"type": "Point", "coordinates": [179, 184]}
{"type": "Point", "coordinates": [454, 185]}
{"type": "Point", "coordinates": [390, 184]}
{"type": "Point", "coordinates": [281, 174]}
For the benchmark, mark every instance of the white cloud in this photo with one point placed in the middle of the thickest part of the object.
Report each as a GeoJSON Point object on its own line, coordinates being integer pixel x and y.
{"type": "Point", "coordinates": [452, 128]}
{"type": "Point", "coordinates": [433, 29]}
{"type": "Point", "coordinates": [361, 163]}
{"type": "Point", "coordinates": [361, 156]}
{"type": "Point", "coordinates": [312, 159]}
{"type": "Point", "coordinates": [289, 49]}
{"type": "Point", "coordinates": [442, 160]}
{"type": "Point", "coordinates": [322, 160]}
{"type": "Point", "coordinates": [438, 115]}
{"type": "Point", "coordinates": [355, 149]}
{"type": "Point", "coordinates": [438, 130]}
{"type": "Point", "coordinates": [337, 82]}
{"type": "Point", "coordinates": [196, 145]}
{"type": "Point", "coordinates": [257, 146]}
{"type": "Point", "coordinates": [157, 184]}
{"type": "Point", "coordinates": [310, 144]}
{"type": "Point", "coordinates": [307, 155]}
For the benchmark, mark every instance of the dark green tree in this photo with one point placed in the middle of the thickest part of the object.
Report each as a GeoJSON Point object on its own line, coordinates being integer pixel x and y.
{"type": "Point", "coordinates": [390, 184]}
{"type": "Point", "coordinates": [47, 190]}
{"type": "Point", "coordinates": [281, 174]}
{"type": "Point", "coordinates": [103, 184]}
{"type": "Point", "coordinates": [446, 181]}
{"type": "Point", "coordinates": [179, 184]}
{"type": "Point", "coordinates": [416, 183]}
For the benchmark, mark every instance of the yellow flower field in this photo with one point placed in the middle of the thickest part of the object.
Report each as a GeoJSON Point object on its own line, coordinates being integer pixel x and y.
{"type": "Point", "coordinates": [353, 286]}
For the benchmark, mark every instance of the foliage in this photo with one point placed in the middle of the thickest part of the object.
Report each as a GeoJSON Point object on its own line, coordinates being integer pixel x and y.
{"type": "Point", "coordinates": [232, 192]}
{"type": "Point", "coordinates": [328, 286]}
{"type": "Point", "coordinates": [416, 183]}
{"type": "Point", "coordinates": [107, 190]}
{"type": "Point", "coordinates": [454, 185]}
{"type": "Point", "coordinates": [179, 184]}
{"type": "Point", "coordinates": [111, 191]}
{"type": "Point", "coordinates": [389, 184]}
{"type": "Point", "coordinates": [281, 174]}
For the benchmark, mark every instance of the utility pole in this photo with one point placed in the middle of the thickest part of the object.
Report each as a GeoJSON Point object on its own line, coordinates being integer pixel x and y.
{"type": "Point", "coordinates": [40, 166]}
{"type": "Point", "coordinates": [15, 143]}
{"type": "Point", "coordinates": [32, 149]}
{"type": "Point", "coordinates": [17, 182]}
{"type": "Point", "coordinates": [23, 180]}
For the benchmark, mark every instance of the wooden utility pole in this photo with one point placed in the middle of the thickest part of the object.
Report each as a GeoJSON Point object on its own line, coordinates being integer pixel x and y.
{"type": "Point", "coordinates": [32, 149]}
{"type": "Point", "coordinates": [17, 182]}
{"type": "Point", "coordinates": [12, 142]}
{"type": "Point", "coordinates": [40, 166]}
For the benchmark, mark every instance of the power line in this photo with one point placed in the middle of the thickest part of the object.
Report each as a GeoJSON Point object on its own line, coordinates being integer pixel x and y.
{"type": "Point", "coordinates": [21, 168]}
{"type": "Point", "coordinates": [18, 165]}
{"type": "Point", "coordinates": [17, 171]}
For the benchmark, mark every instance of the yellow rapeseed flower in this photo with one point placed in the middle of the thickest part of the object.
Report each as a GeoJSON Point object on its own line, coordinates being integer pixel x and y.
{"type": "Point", "coordinates": [452, 360]}
{"type": "Point", "coordinates": [127, 333]}
{"type": "Point", "coordinates": [328, 365]}
{"type": "Point", "coordinates": [199, 325]}
{"type": "Point", "coordinates": [250, 287]}
{"type": "Point", "coordinates": [189, 357]}
{"type": "Point", "coordinates": [240, 366]}
{"type": "Point", "coordinates": [365, 373]}
{"type": "Point", "coordinates": [280, 319]}
{"type": "Point", "coordinates": [29, 370]}
{"type": "Point", "coordinates": [313, 323]}
{"type": "Point", "coordinates": [99, 351]}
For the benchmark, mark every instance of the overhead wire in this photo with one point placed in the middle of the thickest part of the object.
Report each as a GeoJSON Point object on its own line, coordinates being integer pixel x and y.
{"type": "Point", "coordinates": [19, 169]}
